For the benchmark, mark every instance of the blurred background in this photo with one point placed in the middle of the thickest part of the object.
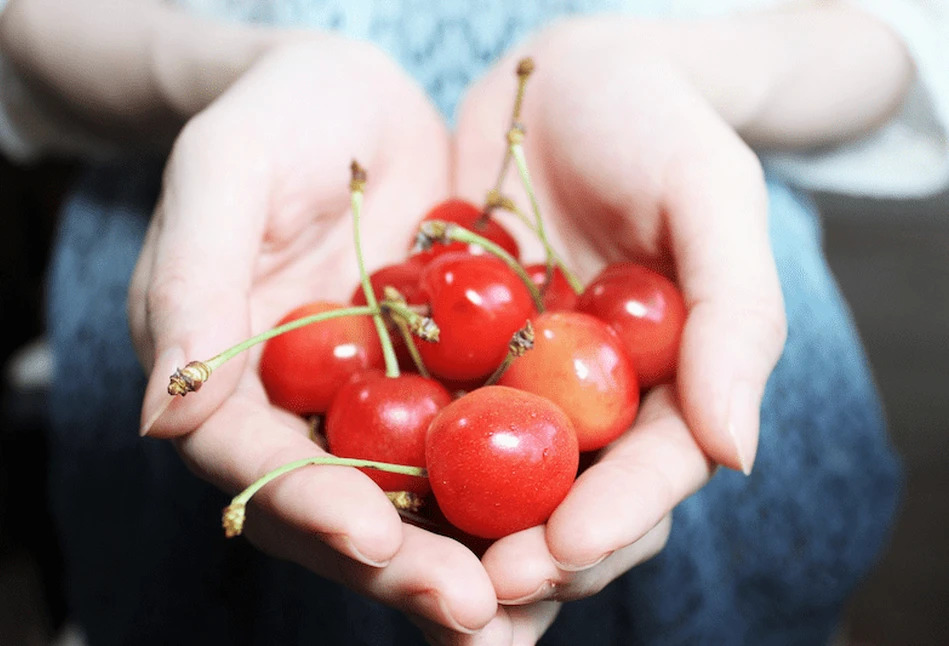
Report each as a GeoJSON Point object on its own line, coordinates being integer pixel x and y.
{"type": "Point", "coordinates": [892, 262]}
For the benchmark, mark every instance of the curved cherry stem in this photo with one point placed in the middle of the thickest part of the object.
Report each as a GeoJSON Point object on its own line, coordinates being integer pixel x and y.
{"type": "Point", "coordinates": [444, 232]}
{"type": "Point", "coordinates": [521, 342]}
{"type": "Point", "coordinates": [356, 188]}
{"type": "Point", "coordinates": [235, 513]}
{"type": "Point", "coordinates": [515, 138]}
{"type": "Point", "coordinates": [524, 69]}
{"type": "Point", "coordinates": [190, 378]}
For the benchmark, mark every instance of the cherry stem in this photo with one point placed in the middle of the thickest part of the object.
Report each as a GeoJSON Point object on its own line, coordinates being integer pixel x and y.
{"type": "Point", "coordinates": [515, 138]}
{"type": "Point", "coordinates": [521, 342]}
{"type": "Point", "coordinates": [409, 340]}
{"type": "Point", "coordinates": [356, 188]}
{"type": "Point", "coordinates": [444, 232]}
{"type": "Point", "coordinates": [216, 362]}
{"type": "Point", "coordinates": [190, 378]}
{"type": "Point", "coordinates": [235, 513]}
{"type": "Point", "coordinates": [524, 69]}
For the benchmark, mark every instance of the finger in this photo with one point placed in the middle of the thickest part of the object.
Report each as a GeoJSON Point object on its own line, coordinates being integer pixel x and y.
{"type": "Point", "coordinates": [736, 328]}
{"type": "Point", "coordinates": [515, 626]}
{"type": "Point", "coordinates": [431, 576]}
{"type": "Point", "coordinates": [138, 290]}
{"type": "Point", "coordinates": [247, 438]}
{"type": "Point", "coordinates": [197, 302]}
{"type": "Point", "coordinates": [636, 482]}
{"type": "Point", "coordinates": [524, 572]}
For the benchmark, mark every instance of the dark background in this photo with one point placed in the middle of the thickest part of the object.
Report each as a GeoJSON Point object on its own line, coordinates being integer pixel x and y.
{"type": "Point", "coordinates": [892, 261]}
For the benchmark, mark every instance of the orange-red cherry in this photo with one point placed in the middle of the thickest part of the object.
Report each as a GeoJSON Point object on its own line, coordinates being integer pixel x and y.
{"type": "Point", "coordinates": [580, 364]}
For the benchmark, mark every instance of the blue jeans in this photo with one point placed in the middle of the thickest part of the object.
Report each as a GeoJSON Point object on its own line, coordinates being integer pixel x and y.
{"type": "Point", "coordinates": [769, 559]}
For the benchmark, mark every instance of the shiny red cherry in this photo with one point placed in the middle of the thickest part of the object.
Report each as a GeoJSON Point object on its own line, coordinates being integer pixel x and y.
{"type": "Point", "coordinates": [647, 311]}
{"type": "Point", "coordinates": [374, 417]}
{"type": "Point", "coordinates": [469, 216]}
{"type": "Point", "coordinates": [478, 303]}
{"type": "Point", "coordinates": [403, 276]}
{"type": "Point", "coordinates": [580, 364]}
{"type": "Point", "coordinates": [558, 295]}
{"type": "Point", "coordinates": [500, 460]}
{"type": "Point", "coordinates": [301, 370]}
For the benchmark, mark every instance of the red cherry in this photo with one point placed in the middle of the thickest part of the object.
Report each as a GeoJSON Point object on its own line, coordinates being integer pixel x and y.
{"type": "Point", "coordinates": [302, 369]}
{"type": "Point", "coordinates": [469, 216]}
{"type": "Point", "coordinates": [500, 460]}
{"type": "Point", "coordinates": [403, 276]}
{"type": "Point", "coordinates": [647, 311]}
{"type": "Point", "coordinates": [374, 417]}
{"type": "Point", "coordinates": [477, 303]}
{"type": "Point", "coordinates": [579, 363]}
{"type": "Point", "coordinates": [558, 295]}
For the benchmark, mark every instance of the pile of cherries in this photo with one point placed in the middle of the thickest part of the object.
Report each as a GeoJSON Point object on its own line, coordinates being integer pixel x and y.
{"type": "Point", "coordinates": [500, 376]}
{"type": "Point", "coordinates": [497, 410]}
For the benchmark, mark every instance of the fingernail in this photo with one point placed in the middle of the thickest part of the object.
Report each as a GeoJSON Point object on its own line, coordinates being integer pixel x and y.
{"type": "Point", "coordinates": [542, 592]}
{"type": "Point", "coordinates": [429, 604]}
{"type": "Point", "coordinates": [572, 567]}
{"type": "Point", "coordinates": [744, 420]}
{"type": "Point", "coordinates": [345, 544]}
{"type": "Point", "coordinates": [157, 398]}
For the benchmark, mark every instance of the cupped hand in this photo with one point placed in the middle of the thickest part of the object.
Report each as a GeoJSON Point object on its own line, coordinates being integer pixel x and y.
{"type": "Point", "coordinates": [254, 220]}
{"type": "Point", "coordinates": [631, 162]}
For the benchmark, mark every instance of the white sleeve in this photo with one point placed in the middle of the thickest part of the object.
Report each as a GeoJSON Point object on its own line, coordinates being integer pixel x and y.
{"type": "Point", "coordinates": [909, 155]}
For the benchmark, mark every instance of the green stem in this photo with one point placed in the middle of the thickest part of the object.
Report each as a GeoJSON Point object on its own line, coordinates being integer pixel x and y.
{"type": "Point", "coordinates": [500, 370]}
{"type": "Point", "coordinates": [520, 160]}
{"type": "Point", "coordinates": [388, 352]}
{"type": "Point", "coordinates": [461, 234]}
{"type": "Point", "coordinates": [409, 341]}
{"type": "Point", "coordinates": [218, 360]}
{"type": "Point", "coordinates": [235, 513]}
{"type": "Point", "coordinates": [524, 69]}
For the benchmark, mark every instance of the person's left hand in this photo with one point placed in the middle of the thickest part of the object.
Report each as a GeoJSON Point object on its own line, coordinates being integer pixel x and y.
{"type": "Point", "coordinates": [631, 162]}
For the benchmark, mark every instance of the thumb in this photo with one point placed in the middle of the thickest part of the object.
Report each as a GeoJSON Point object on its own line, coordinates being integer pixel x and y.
{"type": "Point", "coordinates": [736, 327]}
{"type": "Point", "coordinates": [209, 225]}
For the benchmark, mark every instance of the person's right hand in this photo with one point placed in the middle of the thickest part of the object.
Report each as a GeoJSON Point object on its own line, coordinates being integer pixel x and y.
{"type": "Point", "coordinates": [254, 220]}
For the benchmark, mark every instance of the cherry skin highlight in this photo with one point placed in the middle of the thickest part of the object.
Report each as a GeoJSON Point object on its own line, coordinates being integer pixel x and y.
{"type": "Point", "coordinates": [302, 369]}
{"type": "Point", "coordinates": [580, 364]}
{"type": "Point", "coordinates": [374, 417]}
{"type": "Point", "coordinates": [500, 460]}
{"type": "Point", "coordinates": [647, 311]}
{"type": "Point", "coordinates": [469, 216]}
{"type": "Point", "coordinates": [478, 303]}
{"type": "Point", "coordinates": [558, 295]}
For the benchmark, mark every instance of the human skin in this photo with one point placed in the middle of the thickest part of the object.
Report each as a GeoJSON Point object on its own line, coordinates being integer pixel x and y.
{"type": "Point", "coordinates": [636, 117]}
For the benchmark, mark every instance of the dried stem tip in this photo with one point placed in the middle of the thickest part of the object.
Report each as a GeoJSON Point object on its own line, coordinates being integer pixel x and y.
{"type": "Point", "coordinates": [189, 379]}
{"type": "Point", "coordinates": [522, 341]}
{"type": "Point", "coordinates": [406, 501]}
{"type": "Point", "coordinates": [358, 182]}
{"type": "Point", "coordinates": [525, 67]}
{"type": "Point", "coordinates": [430, 232]}
{"type": "Point", "coordinates": [233, 519]}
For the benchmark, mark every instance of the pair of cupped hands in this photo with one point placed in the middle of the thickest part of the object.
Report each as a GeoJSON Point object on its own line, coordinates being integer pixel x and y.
{"type": "Point", "coordinates": [629, 161]}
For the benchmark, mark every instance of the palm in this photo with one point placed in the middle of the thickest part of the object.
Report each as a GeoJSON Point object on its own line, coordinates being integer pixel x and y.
{"type": "Point", "coordinates": [630, 163]}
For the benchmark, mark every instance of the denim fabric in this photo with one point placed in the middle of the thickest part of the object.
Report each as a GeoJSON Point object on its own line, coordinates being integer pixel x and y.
{"type": "Point", "coordinates": [763, 560]}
